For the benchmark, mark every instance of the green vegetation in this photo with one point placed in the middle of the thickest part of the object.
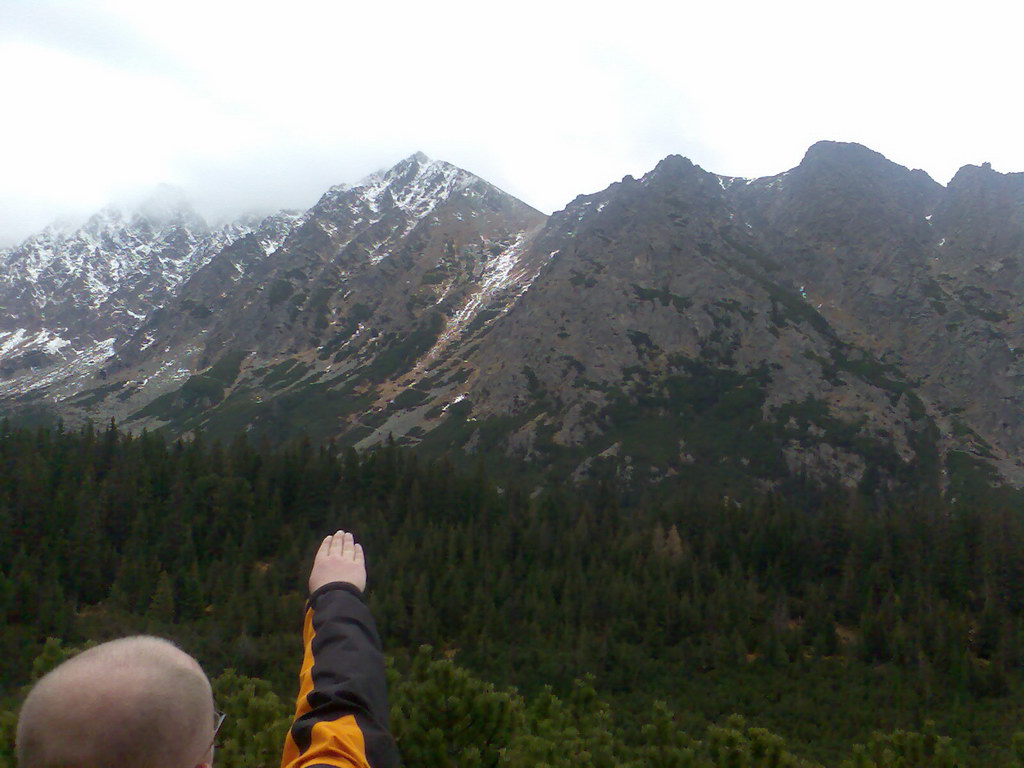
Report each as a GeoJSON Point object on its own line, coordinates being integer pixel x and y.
{"type": "Point", "coordinates": [816, 628]}
{"type": "Point", "coordinates": [682, 423]}
{"type": "Point", "coordinates": [580, 280]}
{"type": "Point", "coordinates": [483, 317]}
{"type": "Point", "coordinates": [286, 373]}
{"type": "Point", "coordinates": [681, 303]}
{"type": "Point", "coordinates": [435, 276]}
{"type": "Point", "coordinates": [198, 392]}
{"type": "Point", "coordinates": [227, 368]}
{"type": "Point", "coordinates": [93, 396]}
{"type": "Point", "coordinates": [978, 302]}
{"type": "Point", "coordinates": [196, 310]}
{"type": "Point", "coordinates": [408, 398]}
{"type": "Point", "coordinates": [358, 314]}
{"type": "Point", "coordinates": [399, 354]}
{"type": "Point", "coordinates": [443, 715]}
{"type": "Point", "coordinates": [731, 305]}
{"type": "Point", "coordinates": [279, 290]}
{"type": "Point", "coordinates": [642, 343]}
{"type": "Point", "coordinates": [184, 406]}
{"type": "Point", "coordinates": [787, 305]}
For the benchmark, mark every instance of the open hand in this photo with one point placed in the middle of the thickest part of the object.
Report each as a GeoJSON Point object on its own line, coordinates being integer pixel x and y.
{"type": "Point", "coordinates": [339, 558]}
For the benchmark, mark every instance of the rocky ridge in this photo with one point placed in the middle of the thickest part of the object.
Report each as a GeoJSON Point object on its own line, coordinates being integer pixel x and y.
{"type": "Point", "coordinates": [849, 320]}
{"type": "Point", "coordinates": [69, 292]}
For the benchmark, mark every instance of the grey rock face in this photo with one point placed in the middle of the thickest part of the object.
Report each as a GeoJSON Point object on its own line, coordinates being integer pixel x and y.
{"type": "Point", "coordinates": [70, 291]}
{"type": "Point", "coordinates": [849, 320]}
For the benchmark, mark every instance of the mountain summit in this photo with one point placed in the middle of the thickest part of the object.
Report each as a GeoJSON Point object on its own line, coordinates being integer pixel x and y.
{"type": "Point", "coordinates": [849, 320]}
{"type": "Point", "coordinates": [68, 292]}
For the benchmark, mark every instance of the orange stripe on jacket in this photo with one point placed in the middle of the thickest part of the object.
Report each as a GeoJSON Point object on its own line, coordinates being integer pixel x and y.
{"type": "Point", "coordinates": [337, 743]}
{"type": "Point", "coordinates": [291, 751]}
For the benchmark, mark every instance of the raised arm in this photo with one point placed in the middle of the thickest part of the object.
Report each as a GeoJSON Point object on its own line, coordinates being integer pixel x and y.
{"type": "Point", "coordinates": [341, 715]}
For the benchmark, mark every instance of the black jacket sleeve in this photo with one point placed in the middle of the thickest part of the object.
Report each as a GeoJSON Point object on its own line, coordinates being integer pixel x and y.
{"type": "Point", "coordinates": [341, 715]}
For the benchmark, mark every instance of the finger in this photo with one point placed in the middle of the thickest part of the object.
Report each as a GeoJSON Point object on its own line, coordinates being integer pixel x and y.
{"type": "Point", "coordinates": [349, 546]}
{"type": "Point", "coordinates": [338, 543]}
{"type": "Point", "coordinates": [359, 553]}
{"type": "Point", "coordinates": [324, 547]}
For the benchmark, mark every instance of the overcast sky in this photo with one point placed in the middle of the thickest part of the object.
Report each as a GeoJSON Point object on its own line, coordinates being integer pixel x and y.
{"type": "Point", "coordinates": [265, 104]}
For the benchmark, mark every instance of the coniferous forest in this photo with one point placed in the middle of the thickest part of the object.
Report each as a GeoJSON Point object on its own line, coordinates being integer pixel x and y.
{"type": "Point", "coordinates": [529, 627]}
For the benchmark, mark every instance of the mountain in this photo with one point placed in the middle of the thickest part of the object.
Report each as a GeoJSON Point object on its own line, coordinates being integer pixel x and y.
{"type": "Point", "coordinates": [849, 321]}
{"type": "Point", "coordinates": [693, 346]}
{"type": "Point", "coordinates": [69, 292]}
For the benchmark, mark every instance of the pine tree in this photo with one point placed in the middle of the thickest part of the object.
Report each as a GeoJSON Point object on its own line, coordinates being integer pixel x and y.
{"type": "Point", "coordinates": [161, 609]}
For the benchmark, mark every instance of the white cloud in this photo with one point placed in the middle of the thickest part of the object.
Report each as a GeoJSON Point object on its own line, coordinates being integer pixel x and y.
{"type": "Point", "coordinates": [269, 103]}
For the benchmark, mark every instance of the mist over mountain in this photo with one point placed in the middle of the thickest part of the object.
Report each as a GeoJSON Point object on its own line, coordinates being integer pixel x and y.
{"type": "Point", "coordinates": [849, 320]}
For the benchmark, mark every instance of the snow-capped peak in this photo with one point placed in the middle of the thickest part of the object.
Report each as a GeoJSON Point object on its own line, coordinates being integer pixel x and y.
{"type": "Point", "coordinates": [415, 185]}
{"type": "Point", "coordinates": [402, 195]}
{"type": "Point", "coordinates": [53, 275]}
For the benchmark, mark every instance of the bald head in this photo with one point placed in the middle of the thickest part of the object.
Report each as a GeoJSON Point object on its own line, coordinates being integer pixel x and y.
{"type": "Point", "coordinates": [137, 702]}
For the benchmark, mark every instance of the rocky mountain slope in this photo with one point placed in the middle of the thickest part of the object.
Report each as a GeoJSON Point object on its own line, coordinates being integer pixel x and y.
{"type": "Point", "coordinates": [69, 292]}
{"type": "Point", "coordinates": [848, 320]}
